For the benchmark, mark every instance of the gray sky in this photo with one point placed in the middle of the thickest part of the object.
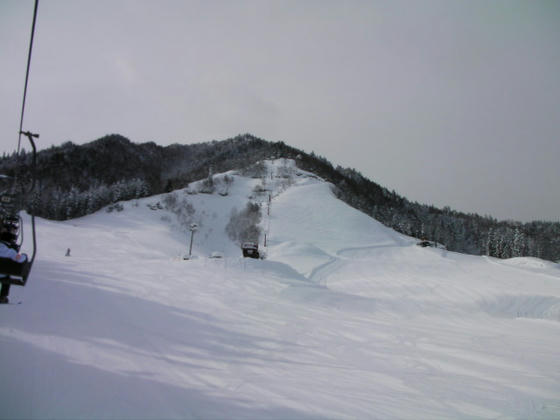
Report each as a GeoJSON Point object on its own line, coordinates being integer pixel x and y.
{"type": "Point", "coordinates": [447, 102]}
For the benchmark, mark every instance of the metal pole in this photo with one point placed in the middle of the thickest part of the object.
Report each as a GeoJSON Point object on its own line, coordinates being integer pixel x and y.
{"type": "Point", "coordinates": [190, 248]}
{"type": "Point", "coordinates": [192, 228]}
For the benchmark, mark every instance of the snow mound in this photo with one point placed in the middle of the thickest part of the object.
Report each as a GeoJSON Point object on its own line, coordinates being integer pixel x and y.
{"type": "Point", "coordinates": [531, 263]}
{"type": "Point", "coordinates": [522, 306]}
{"type": "Point", "coordinates": [304, 257]}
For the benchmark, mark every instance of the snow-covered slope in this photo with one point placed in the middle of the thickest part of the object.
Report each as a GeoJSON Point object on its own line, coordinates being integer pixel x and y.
{"type": "Point", "coordinates": [343, 319]}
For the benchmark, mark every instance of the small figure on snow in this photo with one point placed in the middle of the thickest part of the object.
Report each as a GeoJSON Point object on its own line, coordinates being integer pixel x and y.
{"type": "Point", "coordinates": [67, 252]}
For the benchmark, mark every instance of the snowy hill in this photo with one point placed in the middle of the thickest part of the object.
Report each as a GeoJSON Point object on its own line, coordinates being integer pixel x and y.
{"type": "Point", "coordinates": [345, 318]}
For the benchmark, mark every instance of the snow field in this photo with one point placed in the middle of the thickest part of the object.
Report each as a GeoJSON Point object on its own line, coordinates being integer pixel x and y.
{"type": "Point", "coordinates": [344, 319]}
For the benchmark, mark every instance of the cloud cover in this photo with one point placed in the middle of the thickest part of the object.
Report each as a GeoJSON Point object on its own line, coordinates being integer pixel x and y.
{"type": "Point", "coordinates": [447, 103]}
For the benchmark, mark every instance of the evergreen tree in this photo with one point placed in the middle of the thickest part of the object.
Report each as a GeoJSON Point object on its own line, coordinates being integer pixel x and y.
{"type": "Point", "coordinates": [518, 248]}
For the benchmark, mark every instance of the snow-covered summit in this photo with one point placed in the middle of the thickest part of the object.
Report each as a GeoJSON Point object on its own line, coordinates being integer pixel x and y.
{"type": "Point", "coordinates": [345, 318]}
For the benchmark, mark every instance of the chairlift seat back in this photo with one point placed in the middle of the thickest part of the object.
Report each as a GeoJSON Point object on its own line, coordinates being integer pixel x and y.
{"type": "Point", "coordinates": [12, 272]}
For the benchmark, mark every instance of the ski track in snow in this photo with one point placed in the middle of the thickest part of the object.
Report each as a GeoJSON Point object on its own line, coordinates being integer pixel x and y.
{"type": "Point", "coordinates": [344, 319]}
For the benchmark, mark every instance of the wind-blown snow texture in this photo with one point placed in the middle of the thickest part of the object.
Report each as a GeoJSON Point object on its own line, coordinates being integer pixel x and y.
{"type": "Point", "coordinates": [344, 319]}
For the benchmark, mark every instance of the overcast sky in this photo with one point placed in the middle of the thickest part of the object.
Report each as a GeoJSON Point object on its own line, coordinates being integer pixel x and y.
{"type": "Point", "coordinates": [447, 102]}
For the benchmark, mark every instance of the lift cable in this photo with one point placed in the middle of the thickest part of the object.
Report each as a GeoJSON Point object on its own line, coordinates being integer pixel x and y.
{"type": "Point", "coordinates": [27, 74]}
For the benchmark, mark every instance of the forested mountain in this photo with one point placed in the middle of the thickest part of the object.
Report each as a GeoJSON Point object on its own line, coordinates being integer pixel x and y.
{"type": "Point", "coordinates": [77, 180]}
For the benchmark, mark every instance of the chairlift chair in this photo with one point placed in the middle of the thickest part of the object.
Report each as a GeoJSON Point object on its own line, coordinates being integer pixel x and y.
{"type": "Point", "coordinates": [12, 272]}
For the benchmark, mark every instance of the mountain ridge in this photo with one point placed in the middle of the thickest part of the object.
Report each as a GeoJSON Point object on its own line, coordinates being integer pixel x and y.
{"type": "Point", "coordinates": [75, 180]}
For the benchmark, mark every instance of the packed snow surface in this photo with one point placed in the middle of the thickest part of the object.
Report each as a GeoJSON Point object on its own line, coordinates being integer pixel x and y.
{"type": "Point", "coordinates": [345, 318]}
